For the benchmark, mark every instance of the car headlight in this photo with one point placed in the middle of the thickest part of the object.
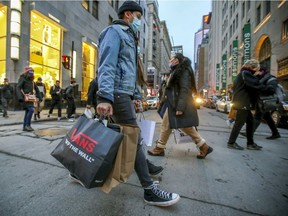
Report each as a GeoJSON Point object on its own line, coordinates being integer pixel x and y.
{"type": "Point", "coordinates": [198, 100]}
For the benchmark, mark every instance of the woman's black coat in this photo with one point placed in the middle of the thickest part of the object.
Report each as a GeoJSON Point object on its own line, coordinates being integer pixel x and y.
{"type": "Point", "coordinates": [179, 97]}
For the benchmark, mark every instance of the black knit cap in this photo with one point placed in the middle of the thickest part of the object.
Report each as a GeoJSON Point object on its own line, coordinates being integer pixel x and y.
{"type": "Point", "coordinates": [130, 6]}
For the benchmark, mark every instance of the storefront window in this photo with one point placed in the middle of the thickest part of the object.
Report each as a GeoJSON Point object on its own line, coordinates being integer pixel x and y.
{"type": "Point", "coordinates": [3, 24]}
{"type": "Point", "coordinates": [89, 56]}
{"type": "Point", "coordinates": [45, 44]}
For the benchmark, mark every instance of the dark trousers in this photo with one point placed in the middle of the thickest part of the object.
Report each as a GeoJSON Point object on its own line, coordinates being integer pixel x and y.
{"type": "Point", "coordinates": [29, 110]}
{"type": "Point", "coordinates": [71, 107]}
{"type": "Point", "coordinates": [124, 113]}
{"type": "Point", "coordinates": [242, 117]}
{"type": "Point", "coordinates": [268, 118]}
{"type": "Point", "coordinates": [5, 103]}
{"type": "Point", "coordinates": [59, 106]}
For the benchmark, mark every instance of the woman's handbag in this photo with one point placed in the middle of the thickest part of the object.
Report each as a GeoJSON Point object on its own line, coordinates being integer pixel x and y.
{"type": "Point", "coordinates": [88, 150]}
{"type": "Point", "coordinates": [30, 98]}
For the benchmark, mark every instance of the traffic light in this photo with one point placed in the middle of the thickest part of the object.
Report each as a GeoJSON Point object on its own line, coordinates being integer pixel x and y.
{"type": "Point", "coordinates": [66, 61]}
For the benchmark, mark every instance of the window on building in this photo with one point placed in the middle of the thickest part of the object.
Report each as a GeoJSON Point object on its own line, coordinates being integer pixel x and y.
{"type": "Point", "coordinates": [243, 9]}
{"type": "Point", "coordinates": [143, 58]}
{"type": "Point", "coordinates": [231, 11]}
{"type": "Point", "coordinates": [230, 50]}
{"type": "Point", "coordinates": [265, 52]}
{"type": "Point", "coordinates": [258, 15]}
{"type": "Point", "coordinates": [110, 20]}
{"type": "Point", "coordinates": [236, 21]}
{"type": "Point", "coordinates": [144, 45]}
{"type": "Point", "coordinates": [233, 26]}
{"type": "Point", "coordinates": [85, 4]}
{"type": "Point", "coordinates": [3, 38]}
{"type": "Point", "coordinates": [285, 30]}
{"type": "Point", "coordinates": [230, 31]}
{"type": "Point", "coordinates": [267, 7]}
{"type": "Point", "coordinates": [95, 9]}
{"type": "Point", "coordinates": [45, 49]}
{"type": "Point", "coordinates": [116, 5]}
{"type": "Point", "coordinates": [89, 56]}
{"type": "Point", "coordinates": [248, 5]}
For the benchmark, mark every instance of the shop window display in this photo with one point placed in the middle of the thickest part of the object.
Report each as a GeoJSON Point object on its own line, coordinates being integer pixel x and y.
{"type": "Point", "coordinates": [45, 44]}
{"type": "Point", "coordinates": [89, 56]}
{"type": "Point", "coordinates": [3, 24]}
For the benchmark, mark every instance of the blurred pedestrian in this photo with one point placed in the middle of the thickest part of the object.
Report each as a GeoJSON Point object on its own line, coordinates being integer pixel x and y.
{"type": "Point", "coordinates": [117, 80]}
{"type": "Point", "coordinates": [71, 109]}
{"type": "Point", "coordinates": [6, 96]}
{"type": "Point", "coordinates": [40, 105]}
{"type": "Point", "coordinates": [55, 92]}
{"type": "Point", "coordinates": [92, 96]}
{"type": "Point", "coordinates": [26, 87]}
{"type": "Point", "coordinates": [180, 108]}
{"type": "Point", "coordinates": [245, 93]}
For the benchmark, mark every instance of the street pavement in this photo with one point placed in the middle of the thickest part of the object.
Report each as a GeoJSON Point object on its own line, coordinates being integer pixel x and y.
{"type": "Point", "coordinates": [228, 182]}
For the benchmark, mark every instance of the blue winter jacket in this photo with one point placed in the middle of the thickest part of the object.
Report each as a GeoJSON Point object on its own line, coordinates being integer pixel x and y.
{"type": "Point", "coordinates": [117, 69]}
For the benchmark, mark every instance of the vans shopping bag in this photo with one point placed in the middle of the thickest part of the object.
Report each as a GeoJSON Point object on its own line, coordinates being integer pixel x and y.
{"type": "Point", "coordinates": [89, 150]}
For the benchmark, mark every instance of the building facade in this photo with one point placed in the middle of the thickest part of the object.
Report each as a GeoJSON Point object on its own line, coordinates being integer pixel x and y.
{"type": "Point", "coordinates": [241, 30]}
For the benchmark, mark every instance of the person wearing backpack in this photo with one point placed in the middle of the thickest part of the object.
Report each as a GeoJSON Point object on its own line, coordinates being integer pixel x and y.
{"type": "Point", "coordinates": [55, 92]}
{"type": "Point", "coordinates": [271, 84]}
{"type": "Point", "coordinates": [69, 92]}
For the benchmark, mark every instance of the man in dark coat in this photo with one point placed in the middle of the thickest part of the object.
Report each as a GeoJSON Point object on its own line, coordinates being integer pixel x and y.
{"type": "Point", "coordinates": [181, 111]}
{"type": "Point", "coordinates": [92, 95]}
{"type": "Point", "coordinates": [6, 96]}
{"type": "Point", "coordinates": [245, 93]}
{"type": "Point", "coordinates": [55, 92]}
{"type": "Point", "coordinates": [70, 100]}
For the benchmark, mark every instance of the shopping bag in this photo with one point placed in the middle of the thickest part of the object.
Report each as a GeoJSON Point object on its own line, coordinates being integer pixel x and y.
{"type": "Point", "coordinates": [232, 113]}
{"type": "Point", "coordinates": [125, 159]}
{"type": "Point", "coordinates": [147, 128]}
{"type": "Point", "coordinates": [89, 150]}
{"type": "Point", "coordinates": [180, 137]}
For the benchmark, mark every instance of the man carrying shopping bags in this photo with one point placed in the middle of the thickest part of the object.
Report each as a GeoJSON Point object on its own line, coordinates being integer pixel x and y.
{"type": "Point", "coordinates": [117, 77]}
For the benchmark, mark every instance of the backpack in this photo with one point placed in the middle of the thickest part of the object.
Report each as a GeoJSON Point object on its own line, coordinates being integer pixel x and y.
{"type": "Point", "coordinates": [279, 92]}
{"type": "Point", "coordinates": [64, 93]}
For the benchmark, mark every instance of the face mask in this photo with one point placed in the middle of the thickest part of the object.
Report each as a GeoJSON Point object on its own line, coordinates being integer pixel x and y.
{"type": "Point", "coordinates": [135, 25]}
{"type": "Point", "coordinates": [172, 65]}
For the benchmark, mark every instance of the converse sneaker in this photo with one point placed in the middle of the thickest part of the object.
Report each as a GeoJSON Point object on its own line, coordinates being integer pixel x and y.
{"type": "Point", "coordinates": [155, 196]}
{"type": "Point", "coordinates": [75, 179]}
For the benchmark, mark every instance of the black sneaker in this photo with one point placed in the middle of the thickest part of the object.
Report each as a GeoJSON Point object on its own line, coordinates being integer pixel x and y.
{"type": "Point", "coordinates": [254, 147]}
{"type": "Point", "coordinates": [155, 196]}
{"type": "Point", "coordinates": [235, 146]}
{"type": "Point", "coordinates": [75, 179]}
{"type": "Point", "coordinates": [275, 136]}
{"type": "Point", "coordinates": [154, 170]}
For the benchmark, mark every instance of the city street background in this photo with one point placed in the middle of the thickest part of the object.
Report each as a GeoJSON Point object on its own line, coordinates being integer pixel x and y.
{"type": "Point", "coordinates": [228, 182]}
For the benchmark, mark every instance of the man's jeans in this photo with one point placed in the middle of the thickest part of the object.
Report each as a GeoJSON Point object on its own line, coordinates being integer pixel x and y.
{"type": "Point", "coordinates": [124, 113]}
{"type": "Point", "coordinates": [166, 131]}
{"type": "Point", "coordinates": [29, 110]}
{"type": "Point", "coordinates": [5, 103]}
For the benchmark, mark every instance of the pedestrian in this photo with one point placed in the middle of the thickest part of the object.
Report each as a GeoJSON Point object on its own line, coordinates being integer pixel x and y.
{"type": "Point", "coordinates": [91, 95]}
{"type": "Point", "coordinates": [117, 77]}
{"type": "Point", "coordinates": [6, 96]}
{"type": "Point", "coordinates": [270, 88]}
{"type": "Point", "coordinates": [55, 92]}
{"type": "Point", "coordinates": [245, 93]}
{"type": "Point", "coordinates": [162, 105]}
{"type": "Point", "coordinates": [26, 86]}
{"type": "Point", "coordinates": [40, 105]}
{"type": "Point", "coordinates": [182, 84]}
{"type": "Point", "coordinates": [71, 109]}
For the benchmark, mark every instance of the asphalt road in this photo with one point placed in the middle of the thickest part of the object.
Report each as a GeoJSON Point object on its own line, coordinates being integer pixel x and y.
{"type": "Point", "coordinates": [228, 182]}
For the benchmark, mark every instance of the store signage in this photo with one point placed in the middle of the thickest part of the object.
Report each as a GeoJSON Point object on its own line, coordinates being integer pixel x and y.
{"type": "Point", "coordinates": [234, 60]}
{"type": "Point", "coordinates": [224, 71]}
{"type": "Point", "coordinates": [217, 76]}
{"type": "Point", "coordinates": [247, 42]}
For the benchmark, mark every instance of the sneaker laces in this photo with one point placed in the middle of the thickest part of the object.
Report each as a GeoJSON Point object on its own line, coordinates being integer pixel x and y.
{"type": "Point", "coordinates": [160, 193]}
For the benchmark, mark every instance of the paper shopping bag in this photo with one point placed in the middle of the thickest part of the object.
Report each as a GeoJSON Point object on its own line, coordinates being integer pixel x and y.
{"type": "Point", "coordinates": [89, 150]}
{"type": "Point", "coordinates": [180, 137]}
{"type": "Point", "coordinates": [125, 159]}
{"type": "Point", "coordinates": [147, 128]}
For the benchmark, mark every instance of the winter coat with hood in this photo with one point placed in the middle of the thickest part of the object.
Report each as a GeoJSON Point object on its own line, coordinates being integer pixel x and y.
{"type": "Point", "coordinates": [246, 89]}
{"type": "Point", "coordinates": [179, 94]}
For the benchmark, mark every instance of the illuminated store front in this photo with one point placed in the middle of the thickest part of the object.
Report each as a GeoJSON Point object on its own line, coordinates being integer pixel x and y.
{"type": "Point", "coordinates": [89, 56]}
{"type": "Point", "coordinates": [45, 49]}
{"type": "Point", "coordinates": [3, 36]}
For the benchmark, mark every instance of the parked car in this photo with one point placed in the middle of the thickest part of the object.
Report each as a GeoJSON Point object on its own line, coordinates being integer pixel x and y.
{"type": "Point", "coordinates": [223, 104]}
{"type": "Point", "coordinates": [211, 101]}
{"type": "Point", "coordinates": [153, 102]}
{"type": "Point", "coordinates": [141, 107]}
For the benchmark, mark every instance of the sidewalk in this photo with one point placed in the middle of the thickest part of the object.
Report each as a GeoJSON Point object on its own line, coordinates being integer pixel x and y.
{"type": "Point", "coordinates": [16, 117]}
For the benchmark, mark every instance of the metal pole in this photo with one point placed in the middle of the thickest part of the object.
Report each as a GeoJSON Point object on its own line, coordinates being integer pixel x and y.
{"type": "Point", "coordinates": [71, 68]}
